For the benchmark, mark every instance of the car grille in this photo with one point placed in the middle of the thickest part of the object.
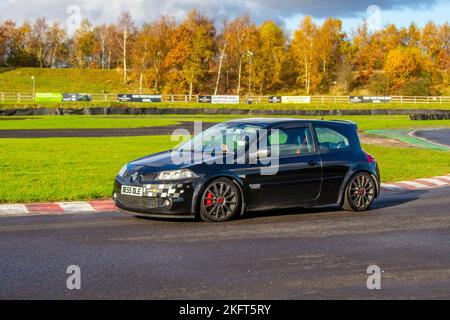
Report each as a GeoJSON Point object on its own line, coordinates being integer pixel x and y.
{"type": "Point", "coordinates": [133, 202]}
{"type": "Point", "coordinates": [148, 177]}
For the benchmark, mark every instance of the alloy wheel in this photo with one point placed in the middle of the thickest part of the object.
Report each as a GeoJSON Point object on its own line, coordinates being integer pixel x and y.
{"type": "Point", "coordinates": [362, 192]}
{"type": "Point", "coordinates": [220, 201]}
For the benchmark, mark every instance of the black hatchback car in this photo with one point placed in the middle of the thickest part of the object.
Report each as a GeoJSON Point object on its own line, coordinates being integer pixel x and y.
{"type": "Point", "coordinates": [252, 164]}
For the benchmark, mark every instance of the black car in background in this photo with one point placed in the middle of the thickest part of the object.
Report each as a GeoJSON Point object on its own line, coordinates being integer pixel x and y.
{"type": "Point", "coordinates": [252, 164]}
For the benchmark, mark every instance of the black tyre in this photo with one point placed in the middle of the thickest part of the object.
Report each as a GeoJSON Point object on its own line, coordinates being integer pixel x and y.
{"type": "Point", "coordinates": [359, 193]}
{"type": "Point", "coordinates": [220, 201]}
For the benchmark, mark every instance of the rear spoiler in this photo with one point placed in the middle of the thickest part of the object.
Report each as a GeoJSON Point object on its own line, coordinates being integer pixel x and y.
{"type": "Point", "coordinates": [348, 122]}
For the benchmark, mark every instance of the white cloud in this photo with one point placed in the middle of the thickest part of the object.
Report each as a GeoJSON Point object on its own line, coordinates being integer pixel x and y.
{"type": "Point", "coordinates": [101, 11]}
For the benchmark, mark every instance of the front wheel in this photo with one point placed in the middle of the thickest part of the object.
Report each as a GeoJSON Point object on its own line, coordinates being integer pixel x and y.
{"type": "Point", "coordinates": [220, 201]}
{"type": "Point", "coordinates": [359, 193]}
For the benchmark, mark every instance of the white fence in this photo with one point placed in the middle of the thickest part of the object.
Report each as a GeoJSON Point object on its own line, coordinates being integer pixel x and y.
{"type": "Point", "coordinates": [11, 97]}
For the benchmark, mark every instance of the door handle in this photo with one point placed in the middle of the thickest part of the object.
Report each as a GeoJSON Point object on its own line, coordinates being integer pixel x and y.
{"type": "Point", "coordinates": [312, 163]}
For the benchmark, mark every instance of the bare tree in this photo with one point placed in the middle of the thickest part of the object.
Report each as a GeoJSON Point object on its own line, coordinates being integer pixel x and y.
{"type": "Point", "coordinates": [101, 37]}
{"type": "Point", "coordinates": [56, 38]}
{"type": "Point", "coordinates": [241, 38]}
{"type": "Point", "coordinates": [126, 29]}
{"type": "Point", "coordinates": [344, 74]}
{"type": "Point", "coordinates": [221, 57]}
{"type": "Point", "coordinates": [40, 39]}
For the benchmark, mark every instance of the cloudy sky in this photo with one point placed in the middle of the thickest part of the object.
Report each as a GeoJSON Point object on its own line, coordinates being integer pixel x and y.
{"type": "Point", "coordinates": [289, 12]}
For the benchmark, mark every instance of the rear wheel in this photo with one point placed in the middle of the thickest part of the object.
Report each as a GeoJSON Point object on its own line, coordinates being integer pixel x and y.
{"type": "Point", "coordinates": [220, 201]}
{"type": "Point", "coordinates": [359, 193]}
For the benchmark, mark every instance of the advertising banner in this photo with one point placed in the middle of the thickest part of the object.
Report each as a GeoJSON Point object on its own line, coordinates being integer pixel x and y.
{"type": "Point", "coordinates": [204, 99]}
{"type": "Point", "coordinates": [369, 99]}
{"type": "Point", "coordinates": [139, 97]}
{"type": "Point", "coordinates": [295, 99]}
{"type": "Point", "coordinates": [48, 97]}
{"type": "Point", "coordinates": [76, 97]}
{"type": "Point", "coordinates": [275, 99]}
{"type": "Point", "coordinates": [224, 99]}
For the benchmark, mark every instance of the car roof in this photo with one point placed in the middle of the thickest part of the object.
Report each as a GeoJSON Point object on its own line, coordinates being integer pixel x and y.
{"type": "Point", "coordinates": [271, 122]}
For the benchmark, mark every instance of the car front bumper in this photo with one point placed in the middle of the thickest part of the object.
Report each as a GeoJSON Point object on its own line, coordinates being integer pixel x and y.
{"type": "Point", "coordinates": [174, 199]}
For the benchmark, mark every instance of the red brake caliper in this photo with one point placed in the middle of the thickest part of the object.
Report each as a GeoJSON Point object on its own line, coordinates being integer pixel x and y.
{"type": "Point", "coordinates": [209, 199]}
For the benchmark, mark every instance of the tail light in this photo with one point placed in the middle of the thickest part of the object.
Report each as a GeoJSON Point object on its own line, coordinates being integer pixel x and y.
{"type": "Point", "coordinates": [370, 159]}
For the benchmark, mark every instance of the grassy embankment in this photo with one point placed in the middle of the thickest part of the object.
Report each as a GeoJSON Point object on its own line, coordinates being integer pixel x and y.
{"type": "Point", "coordinates": [110, 81]}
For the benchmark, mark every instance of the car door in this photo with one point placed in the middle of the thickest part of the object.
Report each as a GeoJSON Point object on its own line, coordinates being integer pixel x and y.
{"type": "Point", "coordinates": [337, 156]}
{"type": "Point", "coordinates": [298, 176]}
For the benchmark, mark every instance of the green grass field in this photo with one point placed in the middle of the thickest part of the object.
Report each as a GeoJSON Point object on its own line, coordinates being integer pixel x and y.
{"type": "Point", "coordinates": [398, 164]}
{"type": "Point", "coordinates": [83, 122]}
{"type": "Point", "coordinates": [53, 169]}
{"type": "Point", "coordinates": [67, 168]}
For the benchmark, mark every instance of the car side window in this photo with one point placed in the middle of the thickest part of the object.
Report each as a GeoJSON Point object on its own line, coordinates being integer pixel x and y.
{"type": "Point", "coordinates": [329, 139]}
{"type": "Point", "coordinates": [292, 141]}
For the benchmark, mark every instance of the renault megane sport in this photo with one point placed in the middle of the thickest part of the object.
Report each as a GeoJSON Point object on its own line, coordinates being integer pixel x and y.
{"type": "Point", "coordinates": [252, 164]}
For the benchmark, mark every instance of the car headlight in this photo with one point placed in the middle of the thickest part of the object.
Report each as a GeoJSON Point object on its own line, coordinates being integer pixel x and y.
{"type": "Point", "coordinates": [176, 175]}
{"type": "Point", "coordinates": [122, 171]}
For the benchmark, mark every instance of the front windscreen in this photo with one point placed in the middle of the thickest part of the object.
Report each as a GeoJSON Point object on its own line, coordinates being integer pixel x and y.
{"type": "Point", "coordinates": [222, 138]}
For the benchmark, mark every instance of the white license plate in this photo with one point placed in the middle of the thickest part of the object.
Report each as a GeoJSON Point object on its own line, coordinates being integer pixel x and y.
{"type": "Point", "coordinates": [132, 191]}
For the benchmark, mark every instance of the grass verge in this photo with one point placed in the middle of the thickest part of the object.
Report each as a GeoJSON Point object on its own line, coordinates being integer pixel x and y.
{"type": "Point", "coordinates": [83, 122]}
{"type": "Point", "coordinates": [397, 164]}
{"type": "Point", "coordinates": [67, 168]}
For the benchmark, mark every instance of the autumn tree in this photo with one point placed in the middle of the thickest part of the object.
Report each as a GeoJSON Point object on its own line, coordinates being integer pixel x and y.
{"type": "Point", "coordinates": [39, 41]}
{"type": "Point", "coordinates": [221, 43]}
{"type": "Point", "coordinates": [150, 50]}
{"type": "Point", "coordinates": [402, 65]}
{"type": "Point", "coordinates": [328, 43]}
{"type": "Point", "coordinates": [344, 74]}
{"type": "Point", "coordinates": [362, 55]}
{"type": "Point", "coordinates": [56, 37]}
{"type": "Point", "coordinates": [191, 52]}
{"type": "Point", "coordinates": [241, 36]}
{"type": "Point", "coordinates": [190, 57]}
{"type": "Point", "coordinates": [412, 36]}
{"type": "Point", "coordinates": [101, 47]}
{"type": "Point", "coordinates": [304, 52]}
{"type": "Point", "coordinates": [15, 45]}
{"type": "Point", "coordinates": [269, 57]}
{"type": "Point", "coordinates": [113, 52]}
{"type": "Point", "coordinates": [84, 44]}
{"type": "Point", "coordinates": [444, 54]}
{"type": "Point", "coordinates": [4, 40]}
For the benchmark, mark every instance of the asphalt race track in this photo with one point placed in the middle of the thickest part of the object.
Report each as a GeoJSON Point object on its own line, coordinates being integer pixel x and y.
{"type": "Point", "coordinates": [441, 136]}
{"type": "Point", "coordinates": [109, 132]}
{"type": "Point", "coordinates": [285, 254]}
